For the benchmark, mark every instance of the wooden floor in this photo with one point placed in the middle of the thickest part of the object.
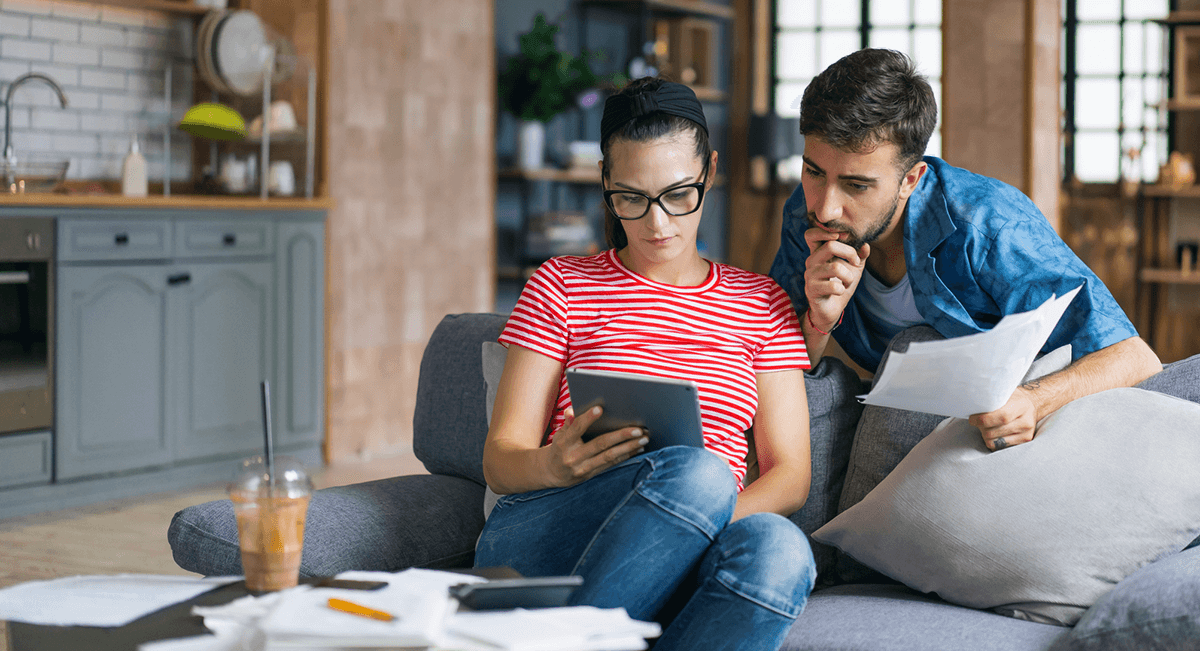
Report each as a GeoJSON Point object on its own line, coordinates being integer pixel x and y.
{"type": "Point", "coordinates": [130, 535]}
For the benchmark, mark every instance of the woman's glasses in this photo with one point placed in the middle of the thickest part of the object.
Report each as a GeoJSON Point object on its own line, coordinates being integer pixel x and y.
{"type": "Point", "coordinates": [677, 201]}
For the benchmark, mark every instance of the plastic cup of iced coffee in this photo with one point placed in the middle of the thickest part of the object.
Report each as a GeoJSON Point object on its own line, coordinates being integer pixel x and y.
{"type": "Point", "coordinates": [270, 511]}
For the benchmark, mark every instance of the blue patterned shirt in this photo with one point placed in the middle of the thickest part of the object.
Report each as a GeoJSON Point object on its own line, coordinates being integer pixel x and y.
{"type": "Point", "coordinates": [976, 250]}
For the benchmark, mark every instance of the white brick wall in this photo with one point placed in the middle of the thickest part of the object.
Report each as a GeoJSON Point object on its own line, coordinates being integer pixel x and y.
{"type": "Point", "coordinates": [109, 62]}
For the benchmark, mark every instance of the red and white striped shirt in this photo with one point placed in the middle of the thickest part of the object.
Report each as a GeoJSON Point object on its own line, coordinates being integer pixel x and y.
{"type": "Point", "coordinates": [592, 313]}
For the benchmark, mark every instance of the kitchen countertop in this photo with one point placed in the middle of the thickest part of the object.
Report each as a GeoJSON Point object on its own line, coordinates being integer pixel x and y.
{"type": "Point", "coordinates": [46, 200]}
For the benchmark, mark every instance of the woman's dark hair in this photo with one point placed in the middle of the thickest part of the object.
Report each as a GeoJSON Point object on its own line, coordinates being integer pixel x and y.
{"type": "Point", "coordinates": [646, 128]}
{"type": "Point", "coordinates": [868, 98]}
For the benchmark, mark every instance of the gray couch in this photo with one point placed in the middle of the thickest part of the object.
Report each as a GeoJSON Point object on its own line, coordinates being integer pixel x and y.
{"type": "Point", "coordinates": [433, 521]}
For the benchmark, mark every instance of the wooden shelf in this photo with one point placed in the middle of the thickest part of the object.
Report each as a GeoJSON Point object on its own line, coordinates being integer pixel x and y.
{"type": "Point", "coordinates": [586, 175]}
{"type": "Point", "coordinates": [183, 7]}
{"type": "Point", "coordinates": [570, 175]}
{"type": "Point", "coordinates": [284, 137]}
{"type": "Point", "coordinates": [1175, 105]}
{"type": "Point", "coordinates": [1170, 277]}
{"type": "Point", "coordinates": [158, 201]}
{"type": "Point", "coordinates": [1184, 192]}
{"type": "Point", "coordinates": [689, 7]}
{"type": "Point", "coordinates": [1191, 17]}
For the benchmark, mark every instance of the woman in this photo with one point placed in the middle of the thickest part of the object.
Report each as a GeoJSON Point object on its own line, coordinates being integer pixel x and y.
{"type": "Point", "coordinates": [669, 533]}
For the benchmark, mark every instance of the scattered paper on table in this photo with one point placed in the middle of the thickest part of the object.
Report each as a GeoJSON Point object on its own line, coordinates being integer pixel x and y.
{"type": "Point", "coordinates": [112, 600]}
{"type": "Point", "coordinates": [968, 375]}
{"type": "Point", "coordinates": [301, 616]}
{"type": "Point", "coordinates": [578, 628]}
{"type": "Point", "coordinates": [233, 639]}
{"type": "Point", "coordinates": [420, 599]}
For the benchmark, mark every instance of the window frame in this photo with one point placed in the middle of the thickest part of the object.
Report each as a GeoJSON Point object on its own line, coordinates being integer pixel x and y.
{"type": "Point", "coordinates": [1071, 77]}
{"type": "Point", "coordinates": [864, 29]}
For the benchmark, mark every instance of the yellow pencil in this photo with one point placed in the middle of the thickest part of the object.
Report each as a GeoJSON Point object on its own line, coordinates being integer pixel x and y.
{"type": "Point", "coordinates": [361, 611]}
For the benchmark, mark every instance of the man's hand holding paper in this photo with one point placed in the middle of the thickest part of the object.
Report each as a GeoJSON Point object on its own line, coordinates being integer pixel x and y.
{"type": "Point", "coordinates": [976, 376]}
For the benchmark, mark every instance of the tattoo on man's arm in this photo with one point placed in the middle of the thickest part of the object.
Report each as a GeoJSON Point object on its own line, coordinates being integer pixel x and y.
{"type": "Point", "coordinates": [1032, 385]}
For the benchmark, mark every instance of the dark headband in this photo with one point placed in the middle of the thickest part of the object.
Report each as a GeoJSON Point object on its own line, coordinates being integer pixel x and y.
{"type": "Point", "coordinates": [670, 98]}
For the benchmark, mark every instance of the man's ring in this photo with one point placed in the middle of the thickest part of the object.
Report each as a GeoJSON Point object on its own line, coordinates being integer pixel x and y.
{"type": "Point", "coordinates": [999, 444]}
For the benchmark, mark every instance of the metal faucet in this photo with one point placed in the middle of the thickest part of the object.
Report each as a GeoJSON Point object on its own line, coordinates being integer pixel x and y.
{"type": "Point", "coordinates": [9, 154]}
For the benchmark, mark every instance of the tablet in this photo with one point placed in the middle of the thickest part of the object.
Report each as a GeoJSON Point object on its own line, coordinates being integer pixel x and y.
{"type": "Point", "coordinates": [506, 594]}
{"type": "Point", "coordinates": [669, 410]}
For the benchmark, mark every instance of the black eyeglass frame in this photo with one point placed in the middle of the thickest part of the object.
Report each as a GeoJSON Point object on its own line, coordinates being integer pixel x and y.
{"type": "Point", "coordinates": [700, 187]}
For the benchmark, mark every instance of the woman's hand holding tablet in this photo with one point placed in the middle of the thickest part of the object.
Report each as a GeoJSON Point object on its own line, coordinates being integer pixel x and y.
{"type": "Point", "coordinates": [573, 460]}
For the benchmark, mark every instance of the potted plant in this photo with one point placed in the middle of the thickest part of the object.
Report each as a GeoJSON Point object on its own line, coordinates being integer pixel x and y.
{"type": "Point", "coordinates": [539, 83]}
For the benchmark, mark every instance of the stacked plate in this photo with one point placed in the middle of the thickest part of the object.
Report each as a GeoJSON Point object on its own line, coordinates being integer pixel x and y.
{"type": "Point", "coordinates": [232, 49]}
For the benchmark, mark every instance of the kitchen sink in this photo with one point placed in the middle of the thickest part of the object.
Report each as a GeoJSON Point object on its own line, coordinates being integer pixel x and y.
{"type": "Point", "coordinates": [31, 175]}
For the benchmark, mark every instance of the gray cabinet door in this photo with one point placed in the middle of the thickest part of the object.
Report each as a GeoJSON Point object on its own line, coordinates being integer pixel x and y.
{"type": "Point", "coordinates": [221, 346]}
{"type": "Point", "coordinates": [112, 389]}
{"type": "Point", "coordinates": [299, 387]}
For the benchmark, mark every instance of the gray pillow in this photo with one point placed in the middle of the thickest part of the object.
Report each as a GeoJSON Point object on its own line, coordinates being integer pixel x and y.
{"type": "Point", "coordinates": [833, 413]}
{"type": "Point", "coordinates": [1040, 530]}
{"type": "Point", "coordinates": [885, 435]}
{"type": "Point", "coordinates": [1157, 607]}
{"type": "Point", "coordinates": [494, 355]}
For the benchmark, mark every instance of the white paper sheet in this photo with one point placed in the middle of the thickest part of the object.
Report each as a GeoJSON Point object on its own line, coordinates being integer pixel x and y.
{"type": "Point", "coordinates": [99, 600]}
{"type": "Point", "coordinates": [968, 375]}
{"type": "Point", "coordinates": [579, 628]}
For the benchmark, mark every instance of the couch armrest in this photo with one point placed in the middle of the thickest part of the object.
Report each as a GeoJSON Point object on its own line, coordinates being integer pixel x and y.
{"type": "Point", "coordinates": [449, 422]}
{"type": "Point", "coordinates": [389, 525]}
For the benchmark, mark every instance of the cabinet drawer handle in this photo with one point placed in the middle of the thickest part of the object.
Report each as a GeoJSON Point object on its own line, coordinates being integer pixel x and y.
{"type": "Point", "coordinates": [121, 239]}
{"type": "Point", "coordinates": [229, 240]}
{"type": "Point", "coordinates": [179, 279]}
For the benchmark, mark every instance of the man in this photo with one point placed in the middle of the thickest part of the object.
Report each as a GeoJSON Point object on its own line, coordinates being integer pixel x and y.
{"type": "Point", "coordinates": [878, 238]}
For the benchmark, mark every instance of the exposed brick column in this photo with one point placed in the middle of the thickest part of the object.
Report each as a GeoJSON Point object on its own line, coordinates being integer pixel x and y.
{"type": "Point", "coordinates": [1000, 95]}
{"type": "Point", "coordinates": [412, 172]}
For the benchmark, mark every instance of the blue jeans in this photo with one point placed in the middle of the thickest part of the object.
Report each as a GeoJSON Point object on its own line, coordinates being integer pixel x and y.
{"type": "Point", "coordinates": [654, 531]}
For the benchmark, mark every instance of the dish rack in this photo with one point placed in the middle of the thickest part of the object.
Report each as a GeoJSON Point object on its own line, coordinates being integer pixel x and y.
{"type": "Point", "coordinates": [269, 68]}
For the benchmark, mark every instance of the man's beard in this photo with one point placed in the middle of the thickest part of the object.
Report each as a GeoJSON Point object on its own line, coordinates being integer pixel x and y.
{"type": "Point", "coordinates": [873, 232]}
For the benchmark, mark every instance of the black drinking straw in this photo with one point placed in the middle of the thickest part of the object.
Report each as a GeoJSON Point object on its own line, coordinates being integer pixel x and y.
{"type": "Point", "coordinates": [266, 408]}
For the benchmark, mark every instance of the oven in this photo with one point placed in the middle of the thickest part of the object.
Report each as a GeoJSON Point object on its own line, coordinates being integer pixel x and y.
{"type": "Point", "coordinates": [26, 324]}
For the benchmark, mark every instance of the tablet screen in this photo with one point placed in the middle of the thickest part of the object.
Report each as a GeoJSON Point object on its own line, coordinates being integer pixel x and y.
{"type": "Point", "coordinates": [668, 409]}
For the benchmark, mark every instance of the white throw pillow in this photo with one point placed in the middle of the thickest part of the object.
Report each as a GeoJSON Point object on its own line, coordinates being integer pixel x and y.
{"type": "Point", "coordinates": [1040, 530]}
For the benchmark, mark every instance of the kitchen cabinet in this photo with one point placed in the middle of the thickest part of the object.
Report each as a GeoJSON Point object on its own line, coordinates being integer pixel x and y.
{"type": "Point", "coordinates": [222, 350]}
{"type": "Point", "coordinates": [299, 389]}
{"type": "Point", "coordinates": [25, 459]}
{"type": "Point", "coordinates": [112, 391]}
{"type": "Point", "coordinates": [161, 354]}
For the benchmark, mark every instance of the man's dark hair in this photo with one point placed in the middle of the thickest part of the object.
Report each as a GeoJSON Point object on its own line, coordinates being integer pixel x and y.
{"type": "Point", "coordinates": [869, 98]}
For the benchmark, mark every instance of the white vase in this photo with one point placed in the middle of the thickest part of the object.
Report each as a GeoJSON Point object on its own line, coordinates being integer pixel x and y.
{"type": "Point", "coordinates": [531, 145]}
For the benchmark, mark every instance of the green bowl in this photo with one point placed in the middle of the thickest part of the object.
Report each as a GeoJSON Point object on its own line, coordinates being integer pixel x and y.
{"type": "Point", "coordinates": [214, 121]}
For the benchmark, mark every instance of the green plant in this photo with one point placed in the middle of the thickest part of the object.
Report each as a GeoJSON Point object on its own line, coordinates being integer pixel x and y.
{"type": "Point", "coordinates": [540, 82]}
